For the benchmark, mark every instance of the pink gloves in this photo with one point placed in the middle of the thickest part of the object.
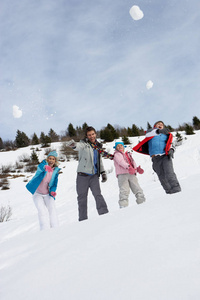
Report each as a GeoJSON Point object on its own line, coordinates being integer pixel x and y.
{"type": "Point", "coordinates": [48, 168]}
{"type": "Point", "coordinates": [140, 170]}
{"type": "Point", "coordinates": [53, 194]}
{"type": "Point", "coordinates": [131, 170]}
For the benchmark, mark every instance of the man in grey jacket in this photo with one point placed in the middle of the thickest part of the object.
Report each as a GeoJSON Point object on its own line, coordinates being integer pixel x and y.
{"type": "Point", "coordinates": [89, 169]}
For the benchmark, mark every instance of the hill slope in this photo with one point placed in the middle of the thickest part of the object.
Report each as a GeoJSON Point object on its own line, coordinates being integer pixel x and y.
{"type": "Point", "coordinates": [148, 251]}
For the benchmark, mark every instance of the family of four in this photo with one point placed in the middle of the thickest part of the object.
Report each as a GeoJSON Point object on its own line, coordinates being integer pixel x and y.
{"type": "Point", "coordinates": [157, 144]}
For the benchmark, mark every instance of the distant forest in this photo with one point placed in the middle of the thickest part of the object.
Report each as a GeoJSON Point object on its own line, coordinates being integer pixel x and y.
{"type": "Point", "coordinates": [107, 134]}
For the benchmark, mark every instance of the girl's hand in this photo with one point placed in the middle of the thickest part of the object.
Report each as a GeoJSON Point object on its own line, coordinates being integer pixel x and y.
{"type": "Point", "coordinates": [48, 169]}
{"type": "Point", "coordinates": [140, 170]}
{"type": "Point", "coordinates": [131, 170]}
{"type": "Point", "coordinates": [53, 194]}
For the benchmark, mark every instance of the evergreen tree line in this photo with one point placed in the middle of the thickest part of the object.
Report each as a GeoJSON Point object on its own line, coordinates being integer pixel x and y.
{"type": "Point", "coordinates": [108, 134]}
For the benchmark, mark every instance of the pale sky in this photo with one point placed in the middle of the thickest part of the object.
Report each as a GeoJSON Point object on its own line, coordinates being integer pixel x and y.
{"type": "Point", "coordinates": [76, 61]}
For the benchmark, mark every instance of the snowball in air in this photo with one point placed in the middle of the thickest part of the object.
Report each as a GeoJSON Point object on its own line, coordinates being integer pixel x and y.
{"type": "Point", "coordinates": [136, 13]}
{"type": "Point", "coordinates": [17, 113]}
{"type": "Point", "coordinates": [149, 85]}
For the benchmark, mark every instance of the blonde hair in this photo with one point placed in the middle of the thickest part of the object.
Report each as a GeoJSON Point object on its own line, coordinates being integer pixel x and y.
{"type": "Point", "coordinates": [56, 161]}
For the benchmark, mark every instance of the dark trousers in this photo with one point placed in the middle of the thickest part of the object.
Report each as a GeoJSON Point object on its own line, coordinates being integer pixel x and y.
{"type": "Point", "coordinates": [162, 165]}
{"type": "Point", "coordinates": [83, 183]}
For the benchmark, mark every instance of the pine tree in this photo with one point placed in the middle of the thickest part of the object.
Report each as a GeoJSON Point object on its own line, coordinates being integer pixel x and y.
{"type": "Point", "coordinates": [106, 135]}
{"type": "Point", "coordinates": [135, 130]}
{"type": "Point", "coordinates": [45, 140]}
{"type": "Point", "coordinates": [53, 135]}
{"type": "Point", "coordinates": [125, 140]}
{"type": "Point", "coordinates": [1, 143]}
{"type": "Point", "coordinates": [189, 129]}
{"type": "Point", "coordinates": [196, 123]}
{"type": "Point", "coordinates": [84, 127]}
{"type": "Point", "coordinates": [113, 131]}
{"type": "Point", "coordinates": [170, 128]}
{"type": "Point", "coordinates": [21, 139]}
{"type": "Point", "coordinates": [71, 131]}
{"type": "Point", "coordinates": [148, 126]}
{"type": "Point", "coordinates": [35, 140]}
{"type": "Point", "coordinates": [179, 139]}
{"type": "Point", "coordinates": [34, 158]}
{"type": "Point", "coordinates": [129, 131]}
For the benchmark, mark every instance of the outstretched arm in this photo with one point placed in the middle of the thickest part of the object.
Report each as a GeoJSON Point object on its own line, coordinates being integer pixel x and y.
{"type": "Point", "coordinates": [71, 144]}
{"type": "Point", "coordinates": [151, 132]}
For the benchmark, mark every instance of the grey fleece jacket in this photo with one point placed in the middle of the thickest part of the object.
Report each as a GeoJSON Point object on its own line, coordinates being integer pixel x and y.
{"type": "Point", "coordinates": [86, 158]}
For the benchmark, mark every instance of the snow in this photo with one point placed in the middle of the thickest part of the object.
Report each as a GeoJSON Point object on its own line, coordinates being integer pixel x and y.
{"type": "Point", "coordinates": [17, 113]}
{"type": "Point", "coordinates": [149, 84]}
{"type": "Point", "coordinates": [136, 13]}
{"type": "Point", "coordinates": [145, 252]}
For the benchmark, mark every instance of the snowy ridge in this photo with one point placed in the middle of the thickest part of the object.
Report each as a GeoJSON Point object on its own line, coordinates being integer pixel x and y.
{"type": "Point", "coordinates": [144, 252]}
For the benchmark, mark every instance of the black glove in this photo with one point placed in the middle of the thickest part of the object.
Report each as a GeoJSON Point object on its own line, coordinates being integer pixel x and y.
{"type": "Point", "coordinates": [171, 153]}
{"type": "Point", "coordinates": [104, 177]}
{"type": "Point", "coordinates": [164, 131]}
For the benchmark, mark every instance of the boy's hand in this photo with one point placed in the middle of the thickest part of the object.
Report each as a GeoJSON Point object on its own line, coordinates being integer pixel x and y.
{"type": "Point", "coordinates": [171, 153]}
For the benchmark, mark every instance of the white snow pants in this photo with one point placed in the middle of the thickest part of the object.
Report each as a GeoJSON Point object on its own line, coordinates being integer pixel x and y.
{"type": "Point", "coordinates": [127, 182]}
{"type": "Point", "coordinates": [47, 215]}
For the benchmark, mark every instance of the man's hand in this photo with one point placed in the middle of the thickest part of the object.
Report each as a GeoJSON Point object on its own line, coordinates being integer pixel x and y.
{"type": "Point", "coordinates": [70, 143]}
{"type": "Point", "coordinates": [104, 177]}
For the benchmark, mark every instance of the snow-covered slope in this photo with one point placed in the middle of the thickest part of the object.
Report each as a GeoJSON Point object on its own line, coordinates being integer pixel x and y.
{"type": "Point", "coordinates": [148, 251]}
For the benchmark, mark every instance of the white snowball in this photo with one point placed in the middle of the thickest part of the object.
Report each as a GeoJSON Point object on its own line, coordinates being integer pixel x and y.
{"type": "Point", "coordinates": [17, 113]}
{"type": "Point", "coordinates": [136, 13]}
{"type": "Point", "coordinates": [149, 84]}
